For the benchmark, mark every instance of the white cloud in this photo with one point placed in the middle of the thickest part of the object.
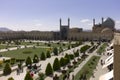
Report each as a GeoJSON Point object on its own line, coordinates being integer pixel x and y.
{"type": "Point", "coordinates": [90, 24]}
{"type": "Point", "coordinates": [38, 24]}
{"type": "Point", "coordinates": [118, 22]}
{"type": "Point", "coordinates": [84, 20]}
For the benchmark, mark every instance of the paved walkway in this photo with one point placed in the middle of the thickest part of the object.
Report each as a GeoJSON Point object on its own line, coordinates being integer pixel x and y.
{"type": "Point", "coordinates": [99, 71]}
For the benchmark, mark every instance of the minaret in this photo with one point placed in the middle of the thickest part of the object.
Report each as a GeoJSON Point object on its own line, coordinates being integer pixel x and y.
{"type": "Point", "coordinates": [93, 22]}
{"type": "Point", "coordinates": [69, 22]}
{"type": "Point", "coordinates": [102, 20]}
{"type": "Point", "coordinates": [60, 22]}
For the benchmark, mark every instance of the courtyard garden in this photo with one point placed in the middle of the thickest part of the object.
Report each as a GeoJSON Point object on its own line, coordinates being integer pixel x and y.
{"type": "Point", "coordinates": [32, 55]}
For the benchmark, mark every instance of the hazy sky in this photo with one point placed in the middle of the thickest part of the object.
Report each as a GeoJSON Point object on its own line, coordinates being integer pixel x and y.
{"type": "Point", "coordinates": [44, 14]}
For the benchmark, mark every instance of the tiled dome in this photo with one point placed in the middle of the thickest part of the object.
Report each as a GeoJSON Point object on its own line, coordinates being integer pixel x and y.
{"type": "Point", "coordinates": [109, 23]}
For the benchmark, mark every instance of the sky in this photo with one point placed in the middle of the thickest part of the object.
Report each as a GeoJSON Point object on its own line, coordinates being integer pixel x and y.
{"type": "Point", "coordinates": [44, 15]}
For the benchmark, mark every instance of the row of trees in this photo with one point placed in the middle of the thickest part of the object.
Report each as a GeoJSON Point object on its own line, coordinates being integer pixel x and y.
{"type": "Point", "coordinates": [36, 58]}
{"type": "Point", "coordinates": [60, 63]}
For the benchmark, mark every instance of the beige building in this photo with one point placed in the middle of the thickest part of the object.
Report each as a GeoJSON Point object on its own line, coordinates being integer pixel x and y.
{"type": "Point", "coordinates": [117, 56]}
{"type": "Point", "coordinates": [102, 32]}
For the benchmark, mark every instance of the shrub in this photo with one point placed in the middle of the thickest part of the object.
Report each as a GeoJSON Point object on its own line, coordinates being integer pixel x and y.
{"type": "Point", "coordinates": [60, 49]}
{"type": "Point", "coordinates": [92, 43]}
{"type": "Point", "coordinates": [66, 61]}
{"type": "Point", "coordinates": [7, 69]}
{"type": "Point", "coordinates": [43, 57]}
{"type": "Point", "coordinates": [41, 76]}
{"type": "Point", "coordinates": [1, 62]}
{"type": "Point", "coordinates": [84, 48]}
{"type": "Point", "coordinates": [7, 61]}
{"type": "Point", "coordinates": [35, 59]}
{"type": "Point", "coordinates": [13, 60]}
{"type": "Point", "coordinates": [49, 70]}
{"type": "Point", "coordinates": [56, 64]}
{"type": "Point", "coordinates": [48, 54]}
{"type": "Point", "coordinates": [55, 51]}
{"type": "Point", "coordinates": [28, 61]}
{"type": "Point", "coordinates": [11, 78]}
{"type": "Point", "coordinates": [68, 58]}
{"type": "Point", "coordinates": [27, 52]}
{"type": "Point", "coordinates": [64, 44]}
{"type": "Point", "coordinates": [76, 53]}
{"type": "Point", "coordinates": [62, 62]}
{"type": "Point", "coordinates": [49, 44]}
{"type": "Point", "coordinates": [20, 60]}
{"type": "Point", "coordinates": [71, 56]}
{"type": "Point", "coordinates": [28, 76]}
{"type": "Point", "coordinates": [68, 46]}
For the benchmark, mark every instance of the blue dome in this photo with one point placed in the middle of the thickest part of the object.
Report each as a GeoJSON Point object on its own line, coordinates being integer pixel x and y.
{"type": "Point", "coordinates": [109, 23]}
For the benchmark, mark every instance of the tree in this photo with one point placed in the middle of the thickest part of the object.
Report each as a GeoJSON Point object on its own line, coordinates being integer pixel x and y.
{"type": "Point", "coordinates": [55, 51]}
{"type": "Point", "coordinates": [49, 70]}
{"type": "Point", "coordinates": [56, 64]}
{"type": "Point", "coordinates": [43, 57]}
{"type": "Point", "coordinates": [48, 54]}
{"type": "Point", "coordinates": [68, 58]}
{"type": "Point", "coordinates": [10, 78]}
{"type": "Point", "coordinates": [28, 61]}
{"type": "Point", "coordinates": [7, 69]}
{"type": "Point", "coordinates": [35, 59]}
{"type": "Point", "coordinates": [71, 56]}
{"type": "Point", "coordinates": [92, 43]}
{"type": "Point", "coordinates": [68, 46]}
{"type": "Point", "coordinates": [62, 62]}
{"type": "Point", "coordinates": [76, 53]}
{"type": "Point", "coordinates": [28, 76]}
{"type": "Point", "coordinates": [60, 49]}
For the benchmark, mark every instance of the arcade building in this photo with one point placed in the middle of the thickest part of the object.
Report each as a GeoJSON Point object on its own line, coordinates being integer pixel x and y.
{"type": "Point", "coordinates": [102, 31]}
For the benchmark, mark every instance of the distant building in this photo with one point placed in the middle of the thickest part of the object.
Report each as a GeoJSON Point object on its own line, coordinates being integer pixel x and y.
{"type": "Point", "coordinates": [106, 26]}
{"type": "Point", "coordinates": [64, 30]}
{"type": "Point", "coordinates": [103, 31]}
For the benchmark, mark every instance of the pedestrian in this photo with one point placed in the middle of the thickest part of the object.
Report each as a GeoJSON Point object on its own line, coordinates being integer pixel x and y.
{"type": "Point", "coordinates": [18, 73]}
{"type": "Point", "coordinates": [22, 69]}
{"type": "Point", "coordinates": [55, 77]}
{"type": "Point", "coordinates": [101, 62]}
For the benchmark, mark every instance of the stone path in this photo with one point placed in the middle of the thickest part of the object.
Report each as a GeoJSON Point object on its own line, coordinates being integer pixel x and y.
{"type": "Point", "coordinates": [99, 71]}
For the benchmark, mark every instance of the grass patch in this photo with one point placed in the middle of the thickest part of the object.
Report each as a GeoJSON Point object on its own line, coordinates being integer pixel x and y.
{"type": "Point", "coordinates": [24, 53]}
{"type": "Point", "coordinates": [27, 52]}
{"type": "Point", "coordinates": [102, 48]}
{"type": "Point", "coordinates": [88, 68]}
{"type": "Point", "coordinates": [4, 46]}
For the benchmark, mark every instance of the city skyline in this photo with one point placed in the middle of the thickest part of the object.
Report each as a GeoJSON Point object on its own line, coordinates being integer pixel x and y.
{"type": "Point", "coordinates": [44, 15]}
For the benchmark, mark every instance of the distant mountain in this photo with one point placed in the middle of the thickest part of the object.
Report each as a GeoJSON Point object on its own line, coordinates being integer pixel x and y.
{"type": "Point", "coordinates": [4, 29]}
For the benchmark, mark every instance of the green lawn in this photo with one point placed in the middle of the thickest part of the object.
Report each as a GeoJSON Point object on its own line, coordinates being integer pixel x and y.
{"type": "Point", "coordinates": [19, 54]}
{"type": "Point", "coordinates": [32, 43]}
{"type": "Point", "coordinates": [6, 46]}
{"type": "Point", "coordinates": [102, 48]}
{"type": "Point", "coordinates": [88, 68]}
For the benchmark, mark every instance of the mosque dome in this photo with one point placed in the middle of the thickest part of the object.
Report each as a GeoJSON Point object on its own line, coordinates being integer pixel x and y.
{"type": "Point", "coordinates": [109, 23]}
